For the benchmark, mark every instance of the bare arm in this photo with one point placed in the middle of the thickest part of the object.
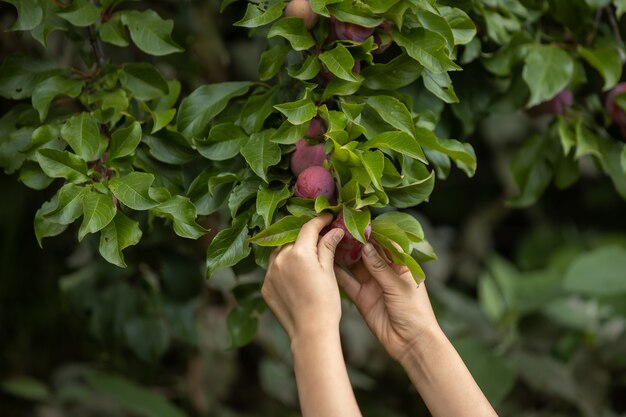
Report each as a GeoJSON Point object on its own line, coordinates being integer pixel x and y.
{"type": "Point", "coordinates": [301, 289]}
{"type": "Point", "coordinates": [399, 313]}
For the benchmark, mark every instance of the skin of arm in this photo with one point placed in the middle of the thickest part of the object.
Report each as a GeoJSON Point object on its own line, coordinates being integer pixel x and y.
{"type": "Point", "coordinates": [301, 289]}
{"type": "Point", "coordinates": [399, 314]}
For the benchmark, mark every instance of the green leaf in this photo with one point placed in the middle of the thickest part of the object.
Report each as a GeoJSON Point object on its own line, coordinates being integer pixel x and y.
{"type": "Point", "coordinates": [606, 59]}
{"type": "Point", "coordinates": [268, 200]}
{"type": "Point", "coordinates": [397, 141]}
{"type": "Point", "coordinates": [257, 110]}
{"type": "Point", "coordinates": [299, 111]}
{"type": "Point", "coordinates": [228, 247]}
{"type": "Point", "coordinates": [411, 195]}
{"type": "Point", "coordinates": [394, 112]}
{"type": "Point", "coordinates": [143, 81]}
{"type": "Point", "coordinates": [340, 62]}
{"type": "Point", "coordinates": [598, 272]}
{"type": "Point", "coordinates": [50, 22]}
{"type": "Point", "coordinates": [242, 325]}
{"type": "Point", "coordinates": [161, 119]}
{"type": "Point", "coordinates": [440, 85]}
{"type": "Point", "coordinates": [182, 212]}
{"type": "Point", "coordinates": [463, 28]}
{"type": "Point", "coordinates": [548, 70]}
{"type": "Point", "coordinates": [133, 190]}
{"type": "Point", "coordinates": [292, 29]}
{"type": "Point", "coordinates": [81, 13]}
{"type": "Point", "coordinates": [32, 176]}
{"type": "Point", "coordinates": [116, 236]}
{"type": "Point", "coordinates": [356, 221]}
{"type": "Point", "coordinates": [150, 33]}
{"type": "Point", "coordinates": [461, 153]}
{"type": "Point", "coordinates": [124, 141]}
{"type": "Point", "coordinates": [397, 73]}
{"type": "Point", "coordinates": [438, 25]}
{"type": "Point", "coordinates": [427, 48]}
{"type": "Point", "coordinates": [69, 206]}
{"type": "Point", "coordinates": [52, 87]}
{"type": "Point", "coordinates": [98, 211]}
{"type": "Point", "coordinates": [202, 105]}
{"type": "Point", "coordinates": [272, 60]}
{"type": "Point", "coordinates": [224, 142]}
{"type": "Point", "coordinates": [399, 257]}
{"type": "Point", "coordinates": [620, 6]}
{"type": "Point", "coordinates": [261, 153]}
{"type": "Point", "coordinates": [374, 165]}
{"type": "Point", "coordinates": [170, 147]}
{"type": "Point", "coordinates": [392, 232]}
{"type": "Point", "coordinates": [282, 232]}
{"type": "Point", "coordinates": [148, 337]}
{"type": "Point", "coordinates": [62, 164]}
{"type": "Point", "coordinates": [44, 227]}
{"type": "Point", "coordinates": [256, 16]}
{"type": "Point", "coordinates": [531, 171]}
{"type": "Point", "coordinates": [127, 394]}
{"type": "Point", "coordinates": [82, 133]}
{"type": "Point", "coordinates": [27, 388]}
{"type": "Point", "coordinates": [19, 75]}
{"type": "Point", "coordinates": [406, 222]}
{"type": "Point", "coordinates": [112, 31]}
{"type": "Point", "coordinates": [29, 14]}
{"type": "Point", "coordinates": [309, 68]}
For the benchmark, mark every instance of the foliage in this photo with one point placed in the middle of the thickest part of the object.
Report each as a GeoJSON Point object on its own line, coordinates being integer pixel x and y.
{"type": "Point", "coordinates": [130, 142]}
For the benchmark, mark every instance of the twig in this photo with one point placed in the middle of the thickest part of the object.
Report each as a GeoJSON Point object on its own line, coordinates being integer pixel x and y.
{"type": "Point", "coordinates": [615, 27]}
{"type": "Point", "coordinates": [96, 46]}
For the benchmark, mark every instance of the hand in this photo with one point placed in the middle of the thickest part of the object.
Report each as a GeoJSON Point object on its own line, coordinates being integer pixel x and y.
{"type": "Point", "coordinates": [300, 285]}
{"type": "Point", "coordinates": [396, 310]}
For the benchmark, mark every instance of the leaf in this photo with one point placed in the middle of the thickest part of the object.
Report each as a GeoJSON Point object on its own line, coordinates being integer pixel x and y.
{"type": "Point", "coordinates": [406, 222]}
{"type": "Point", "coordinates": [44, 227]}
{"type": "Point", "coordinates": [397, 141]}
{"type": "Point", "coordinates": [299, 111]}
{"type": "Point", "coordinates": [598, 273]}
{"type": "Point", "coordinates": [463, 28]}
{"type": "Point", "coordinates": [69, 206]}
{"type": "Point", "coordinates": [62, 164]}
{"type": "Point", "coordinates": [548, 70]}
{"type": "Point", "coordinates": [392, 232]}
{"type": "Point", "coordinates": [228, 247]}
{"type": "Point", "coordinates": [374, 165]}
{"type": "Point", "coordinates": [204, 103]}
{"type": "Point", "coordinates": [356, 221]}
{"type": "Point", "coordinates": [143, 81]}
{"type": "Point", "coordinates": [292, 29]}
{"type": "Point", "coordinates": [399, 72]}
{"type": "Point", "coordinates": [605, 58]}
{"type": "Point", "coordinates": [309, 69]}
{"type": "Point", "coordinates": [116, 236]}
{"type": "Point", "coordinates": [282, 232]}
{"type": "Point", "coordinates": [182, 212]}
{"type": "Point", "coordinates": [124, 141]}
{"type": "Point", "coordinates": [268, 200]}
{"type": "Point", "coordinates": [255, 16]}
{"type": "Point", "coordinates": [82, 133]}
{"type": "Point", "coordinates": [52, 87]}
{"type": "Point", "coordinates": [224, 142]}
{"type": "Point", "coordinates": [461, 153]}
{"type": "Point", "coordinates": [133, 190]}
{"type": "Point", "coordinates": [261, 153]}
{"type": "Point", "coordinates": [427, 48]}
{"type": "Point", "coordinates": [399, 257]}
{"type": "Point", "coordinates": [393, 111]}
{"type": "Point", "coordinates": [242, 324]}
{"type": "Point", "coordinates": [29, 14]}
{"type": "Point", "coordinates": [257, 110]}
{"type": "Point", "coordinates": [81, 13]}
{"type": "Point", "coordinates": [130, 395]}
{"type": "Point", "coordinates": [531, 172]}
{"type": "Point", "coordinates": [19, 75]}
{"type": "Point", "coordinates": [339, 62]}
{"type": "Point", "coordinates": [98, 211]}
{"type": "Point", "coordinates": [148, 337]}
{"type": "Point", "coordinates": [410, 195]}
{"type": "Point", "coordinates": [440, 85]}
{"type": "Point", "coordinates": [149, 32]}
{"type": "Point", "coordinates": [438, 25]}
{"type": "Point", "coordinates": [27, 388]}
{"type": "Point", "coordinates": [272, 60]}
{"type": "Point", "coordinates": [112, 31]}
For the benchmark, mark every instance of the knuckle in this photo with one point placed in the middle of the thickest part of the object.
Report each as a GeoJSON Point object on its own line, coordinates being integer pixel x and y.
{"type": "Point", "coordinates": [379, 264]}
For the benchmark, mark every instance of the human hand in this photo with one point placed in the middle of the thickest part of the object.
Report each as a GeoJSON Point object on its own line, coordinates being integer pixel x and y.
{"type": "Point", "coordinates": [396, 310]}
{"type": "Point", "coordinates": [300, 285]}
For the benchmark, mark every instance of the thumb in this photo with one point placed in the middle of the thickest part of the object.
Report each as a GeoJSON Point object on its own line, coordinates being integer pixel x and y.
{"type": "Point", "coordinates": [379, 268]}
{"type": "Point", "coordinates": [327, 246]}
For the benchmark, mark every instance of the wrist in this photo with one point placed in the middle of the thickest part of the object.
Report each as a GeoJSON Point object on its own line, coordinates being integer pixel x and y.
{"type": "Point", "coordinates": [416, 353]}
{"type": "Point", "coordinates": [309, 335]}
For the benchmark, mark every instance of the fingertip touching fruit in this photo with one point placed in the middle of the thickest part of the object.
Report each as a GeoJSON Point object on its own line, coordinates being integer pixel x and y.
{"type": "Point", "coordinates": [348, 250]}
{"type": "Point", "coordinates": [349, 31]}
{"type": "Point", "coordinates": [615, 111]}
{"type": "Point", "coordinates": [315, 181]}
{"type": "Point", "coordinates": [306, 156]}
{"type": "Point", "coordinates": [556, 105]}
{"type": "Point", "coordinates": [303, 10]}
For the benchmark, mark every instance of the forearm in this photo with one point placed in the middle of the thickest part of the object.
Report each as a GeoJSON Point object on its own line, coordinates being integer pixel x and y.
{"type": "Point", "coordinates": [322, 378]}
{"type": "Point", "coordinates": [443, 380]}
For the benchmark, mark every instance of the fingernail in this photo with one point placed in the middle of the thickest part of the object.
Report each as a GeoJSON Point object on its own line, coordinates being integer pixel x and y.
{"type": "Point", "coordinates": [338, 235]}
{"type": "Point", "coordinates": [369, 249]}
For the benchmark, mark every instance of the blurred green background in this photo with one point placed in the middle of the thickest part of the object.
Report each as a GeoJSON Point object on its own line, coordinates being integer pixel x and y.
{"type": "Point", "coordinates": [534, 299]}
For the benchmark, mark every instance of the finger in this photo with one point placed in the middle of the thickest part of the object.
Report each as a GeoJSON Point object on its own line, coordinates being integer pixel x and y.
{"type": "Point", "coordinates": [378, 267]}
{"type": "Point", "coordinates": [273, 256]}
{"type": "Point", "coordinates": [350, 285]}
{"type": "Point", "coordinates": [310, 231]}
{"type": "Point", "coordinates": [360, 272]}
{"type": "Point", "coordinates": [327, 246]}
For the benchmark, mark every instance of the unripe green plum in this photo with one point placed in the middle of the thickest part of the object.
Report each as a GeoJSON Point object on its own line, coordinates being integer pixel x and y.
{"type": "Point", "coordinates": [306, 156]}
{"type": "Point", "coordinates": [302, 9]}
{"type": "Point", "coordinates": [315, 181]}
{"type": "Point", "coordinates": [348, 251]}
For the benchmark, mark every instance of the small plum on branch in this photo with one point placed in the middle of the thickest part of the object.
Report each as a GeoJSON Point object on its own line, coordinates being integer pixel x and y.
{"type": "Point", "coordinates": [315, 181]}
{"type": "Point", "coordinates": [556, 105]}
{"type": "Point", "coordinates": [348, 251]}
{"type": "Point", "coordinates": [306, 156]}
{"type": "Point", "coordinates": [348, 31]}
{"type": "Point", "coordinates": [302, 9]}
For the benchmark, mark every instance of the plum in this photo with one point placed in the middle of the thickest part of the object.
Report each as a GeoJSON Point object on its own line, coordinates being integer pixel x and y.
{"type": "Point", "coordinates": [615, 111]}
{"type": "Point", "coordinates": [315, 181]}
{"type": "Point", "coordinates": [348, 251]}
{"type": "Point", "coordinates": [348, 31]}
{"type": "Point", "coordinates": [302, 9]}
{"type": "Point", "coordinates": [556, 105]}
{"type": "Point", "coordinates": [382, 38]}
{"type": "Point", "coordinates": [306, 156]}
{"type": "Point", "coordinates": [316, 129]}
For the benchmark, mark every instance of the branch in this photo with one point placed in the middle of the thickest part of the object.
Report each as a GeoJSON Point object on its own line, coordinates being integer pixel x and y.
{"type": "Point", "coordinates": [96, 46]}
{"type": "Point", "coordinates": [615, 27]}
